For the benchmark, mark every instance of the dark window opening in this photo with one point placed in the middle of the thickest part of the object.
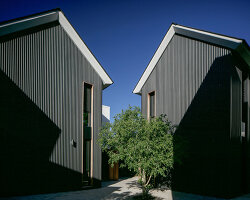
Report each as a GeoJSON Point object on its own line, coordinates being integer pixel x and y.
{"type": "Point", "coordinates": [87, 129]}
{"type": "Point", "coordinates": [152, 105]}
{"type": "Point", "coordinates": [87, 105]}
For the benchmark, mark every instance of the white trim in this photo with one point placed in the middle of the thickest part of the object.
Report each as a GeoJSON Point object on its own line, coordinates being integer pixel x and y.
{"type": "Point", "coordinates": [228, 42]}
{"type": "Point", "coordinates": [27, 23]}
{"type": "Point", "coordinates": [54, 16]}
{"type": "Point", "coordinates": [25, 20]}
{"type": "Point", "coordinates": [84, 49]}
{"type": "Point", "coordinates": [207, 33]}
{"type": "Point", "coordinates": [154, 60]}
{"type": "Point", "coordinates": [213, 38]}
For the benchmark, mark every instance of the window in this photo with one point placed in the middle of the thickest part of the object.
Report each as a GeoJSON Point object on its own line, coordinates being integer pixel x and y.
{"type": "Point", "coordinates": [87, 105]}
{"type": "Point", "coordinates": [151, 105]}
{"type": "Point", "coordinates": [87, 132]}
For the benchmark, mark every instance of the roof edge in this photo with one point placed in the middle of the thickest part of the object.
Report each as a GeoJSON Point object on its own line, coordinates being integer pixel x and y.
{"type": "Point", "coordinates": [29, 16]}
{"type": "Point", "coordinates": [24, 23]}
{"type": "Point", "coordinates": [84, 49]}
{"type": "Point", "coordinates": [164, 43]}
{"type": "Point", "coordinates": [55, 15]}
{"type": "Point", "coordinates": [222, 40]}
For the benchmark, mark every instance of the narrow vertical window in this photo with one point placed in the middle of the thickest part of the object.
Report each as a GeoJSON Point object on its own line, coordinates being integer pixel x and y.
{"type": "Point", "coordinates": [87, 105]}
{"type": "Point", "coordinates": [151, 105]}
{"type": "Point", "coordinates": [87, 130]}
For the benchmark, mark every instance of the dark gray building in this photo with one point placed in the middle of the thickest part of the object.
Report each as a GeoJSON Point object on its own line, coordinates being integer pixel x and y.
{"type": "Point", "coordinates": [50, 106]}
{"type": "Point", "coordinates": [201, 81]}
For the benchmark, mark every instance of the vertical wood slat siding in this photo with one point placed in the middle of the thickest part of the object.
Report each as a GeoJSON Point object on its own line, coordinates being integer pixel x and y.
{"type": "Point", "coordinates": [247, 177]}
{"type": "Point", "coordinates": [179, 74]}
{"type": "Point", "coordinates": [236, 167]}
{"type": "Point", "coordinates": [189, 70]}
{"type": "Point", "coordinates": [50, 70]}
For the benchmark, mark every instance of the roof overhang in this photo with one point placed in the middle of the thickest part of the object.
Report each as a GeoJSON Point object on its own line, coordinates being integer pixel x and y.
{"type": "Point", "coordinates": [235, 44]}
{"type": "Point", "coordinates": [56, 15]}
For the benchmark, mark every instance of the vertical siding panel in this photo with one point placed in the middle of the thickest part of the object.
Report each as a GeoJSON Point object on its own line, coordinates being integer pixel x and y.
{"type": "Point", "coordinates": [67, 128]}
{"type": "Point", "coordinates": [177, 79]}
{"type": "Point", "coordinates": [50, 70]}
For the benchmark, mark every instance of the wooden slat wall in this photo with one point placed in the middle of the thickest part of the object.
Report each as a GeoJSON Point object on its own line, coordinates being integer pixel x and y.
{"type": "Point", "coordinates": [47, 66]}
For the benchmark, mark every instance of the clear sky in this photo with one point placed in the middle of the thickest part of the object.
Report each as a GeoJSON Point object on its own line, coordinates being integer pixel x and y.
{"type": "Point", "coordinates": [124, 34]}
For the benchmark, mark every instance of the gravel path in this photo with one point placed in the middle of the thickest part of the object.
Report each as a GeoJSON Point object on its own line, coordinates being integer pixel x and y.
{"type": "Point", "coordinates": [122, 189]}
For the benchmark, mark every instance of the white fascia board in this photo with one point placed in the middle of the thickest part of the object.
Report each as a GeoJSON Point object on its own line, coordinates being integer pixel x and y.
{"type": "Point", "coordinates": [225, 41]}
{"type": "Point", "coordinates": [23, 24]}
{"type": "Point", "coordinates": [84, 49]}
{"type": "Point", "coordinates": [228, 42]}
{"type": "Point", "coordinates": [154, 60]}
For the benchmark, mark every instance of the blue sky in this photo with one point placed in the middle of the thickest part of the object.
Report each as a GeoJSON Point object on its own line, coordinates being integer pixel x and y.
{"type": "Point", "coordinates": [124, 34]}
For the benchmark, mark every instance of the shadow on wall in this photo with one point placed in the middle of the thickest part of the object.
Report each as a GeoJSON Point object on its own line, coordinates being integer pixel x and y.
{"type": "Point", "coordinates": [27, 138]}
{"type": "Point", "coordinates": [212, 163]}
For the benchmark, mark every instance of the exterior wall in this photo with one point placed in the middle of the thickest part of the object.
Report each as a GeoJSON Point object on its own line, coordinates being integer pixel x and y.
{"type": "Point", "coordinates": [193, 86]}
{"type": "Point", "coordinates": [105, 158]}
{"type": "Point", "coordinates": [235, 148]}
{"type": "Point", "coordinates": [247, 161]}
{"type": "Point", "coordinates": [105, 114]}
{"type": "Point", "coordinates": [50, 70]}
{"type": "Point", "coordinates": [179, 72]}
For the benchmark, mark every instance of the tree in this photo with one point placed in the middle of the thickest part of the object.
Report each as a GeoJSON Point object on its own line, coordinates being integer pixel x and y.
{"type": "Point", "coordinates": [145, 147]}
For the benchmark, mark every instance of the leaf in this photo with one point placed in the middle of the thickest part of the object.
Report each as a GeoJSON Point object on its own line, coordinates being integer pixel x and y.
{"type": "Point", "coordinates": [141, 144]}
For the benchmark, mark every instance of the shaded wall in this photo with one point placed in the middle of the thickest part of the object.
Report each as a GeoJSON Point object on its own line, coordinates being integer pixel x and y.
{"type": "Point", "coordinates": [247, 147]}
{"type": "Point", "coordinates": [50, 70]}
{"type": "Point", "coordinates": [192, 83]}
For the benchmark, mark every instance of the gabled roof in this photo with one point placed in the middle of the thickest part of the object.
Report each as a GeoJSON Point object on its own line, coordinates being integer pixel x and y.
{"type": "Point", "coordinates": [238, 45]}
{"type": "Point", "coordinates": [49, 17]}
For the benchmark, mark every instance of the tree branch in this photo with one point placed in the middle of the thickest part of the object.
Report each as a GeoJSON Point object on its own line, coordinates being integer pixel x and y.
{"type": "Point", "coordinates": [148, 180]}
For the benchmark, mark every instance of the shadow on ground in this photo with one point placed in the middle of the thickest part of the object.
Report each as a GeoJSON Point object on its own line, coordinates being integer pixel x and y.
{"type": "Point", "coordinates": [127, 189]}
{"type": "Point", "coordinates": [122, 189]}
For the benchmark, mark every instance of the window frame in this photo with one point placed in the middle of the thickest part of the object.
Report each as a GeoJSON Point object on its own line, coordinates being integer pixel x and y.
{"type": "Point", "coordinates": [92, 127]}
{"type": "Point", "coordinates": [148, 104]}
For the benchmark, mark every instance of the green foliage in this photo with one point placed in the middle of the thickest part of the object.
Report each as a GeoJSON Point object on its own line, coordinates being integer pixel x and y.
{"type": "Point", "coordinates": [145, 147]}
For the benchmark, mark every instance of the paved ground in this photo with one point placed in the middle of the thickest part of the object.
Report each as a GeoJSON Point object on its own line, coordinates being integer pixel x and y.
{"type": "Point", "coordinates": [122, 189]}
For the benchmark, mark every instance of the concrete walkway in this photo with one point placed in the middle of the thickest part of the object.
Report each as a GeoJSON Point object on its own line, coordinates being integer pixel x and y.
{"type": "Point", "coordinates": [122, 189]}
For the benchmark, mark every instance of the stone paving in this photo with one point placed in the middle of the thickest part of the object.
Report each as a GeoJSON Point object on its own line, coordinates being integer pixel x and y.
{"type": "Point", "coordinates": [122, 189]}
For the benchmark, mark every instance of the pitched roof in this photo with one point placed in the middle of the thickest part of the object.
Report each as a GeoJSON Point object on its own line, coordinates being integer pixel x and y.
{"type": "Point", "coordinates": [238, 45]}
{"type": "Point", "coordinates": [52, 16]}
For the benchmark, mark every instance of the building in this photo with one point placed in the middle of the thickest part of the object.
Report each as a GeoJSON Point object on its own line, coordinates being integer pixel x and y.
{"type": "Point", "coordinates": [105, 114]}
{"type": "Point", "coordinates": [50, 106]}
{"type": "Point", "coordinates": [201, 81]}
{"type": "Point", "coordinates": [105, 158]}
